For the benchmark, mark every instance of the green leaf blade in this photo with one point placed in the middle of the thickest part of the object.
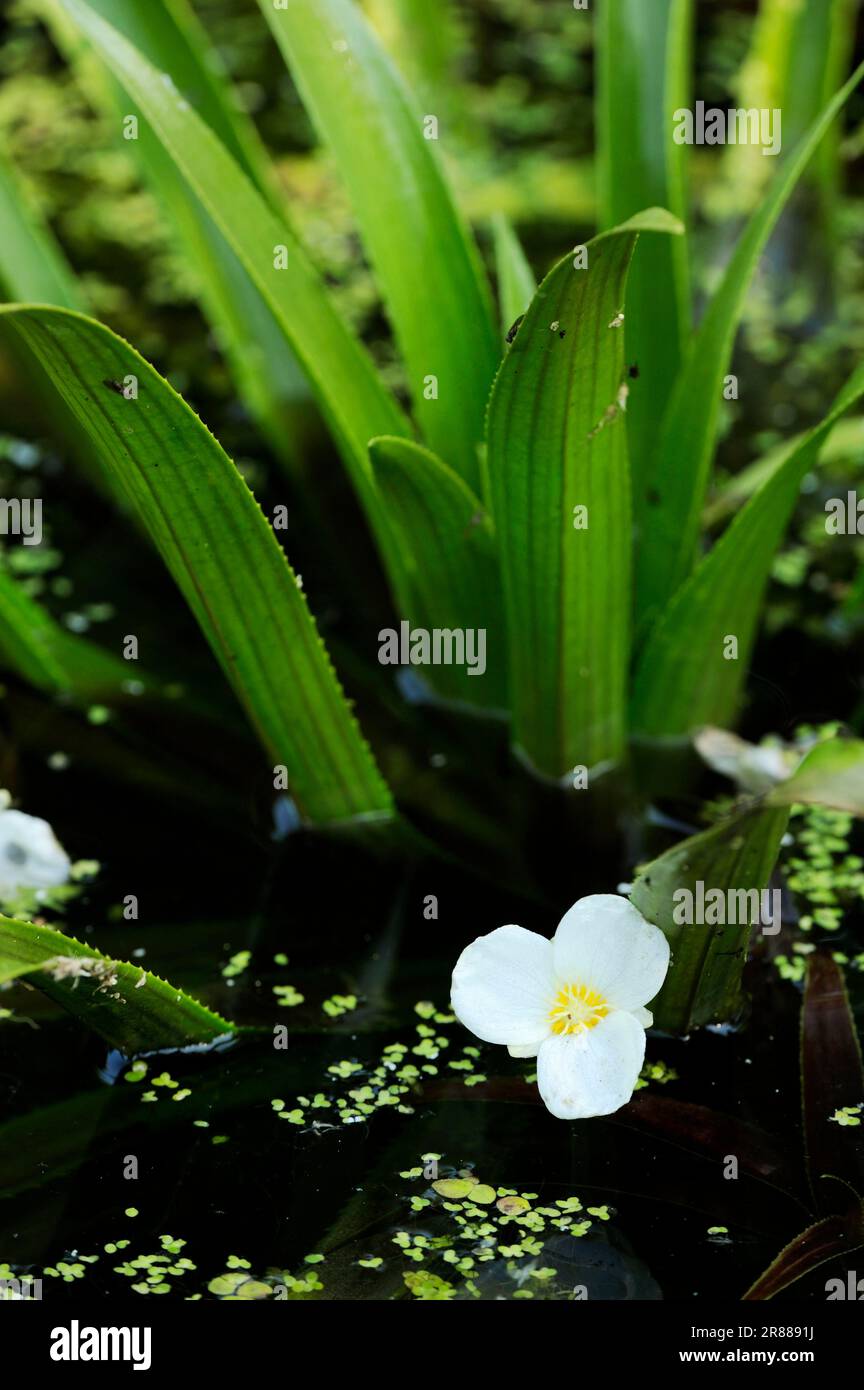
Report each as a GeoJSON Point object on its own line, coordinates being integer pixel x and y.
{"type": "Point", "coordinates": [132, 1009]}
{"type": "Point", "coordinates": [556, 442]}
{"type": "Point", "coordinates": [675, 488]}
{"type": "Point", "coordinates": [642, 79]}
{"type": "Point", "coordinates": [221, 552]}
{"type": "Point", "coordinates": [352, 398]}
{"type": "Point", "coordinates": [426, 263]}
{"type": "Point", "coordinates": [452, 577]}
{"type": "Point", "coordinates": [516, 283]}
{"type": "Point", "coordinates": [704, 980]}
{"type": "Point", "coordinates": [684, 678]}
{"type": "Point", "coordinates": [32, 264]}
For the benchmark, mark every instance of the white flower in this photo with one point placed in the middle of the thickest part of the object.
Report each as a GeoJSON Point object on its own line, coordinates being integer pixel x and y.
{"type": "Point", "coordinates": [30, 855]}
{"type": "Point", "coordinates": [576, 1003]}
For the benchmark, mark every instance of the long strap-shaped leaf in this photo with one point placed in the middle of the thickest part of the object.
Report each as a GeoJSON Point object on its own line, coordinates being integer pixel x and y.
{"type": "Point", "coordinates": [348, 388]}
{"type": "Point", "coordinates": [560, 491]}
{"type": "Point", "coordinates": [135, 1010]}
{"type": "Point", "coordinates": [32, 265]}
{"type": "Point", "coordinates": [427, 266]}
{"type": "Point", "coordinates": [266, 370]}
{"type": "Point", "coordinates": [682, 462]}
{"type": "Point", "coordinates": [689, 672]}
{"type": "Point", "coordinates": [643, 77]}
{"type": "Point", "coordinates": [446, 540]}
{"type": "Point", "coordinates": [223, 555]}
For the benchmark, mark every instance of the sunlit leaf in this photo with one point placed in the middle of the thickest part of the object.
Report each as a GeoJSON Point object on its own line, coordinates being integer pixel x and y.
{"type": "Point", "coordinates": [560, 493]}
{"type": "Point", "coordinates": [428, 269]}
{"type": "Point", "coordinates": [134, 1010]}
{"type": "Point", "coordinates": [643, 77]}
{"type": "Point", "coordinates": [223, 555]}
{"type": "Point", "coordinates": [680, 469]}
{"type": "Point", "coordinates": [451, 572]}
{"type": "Point", "coordinates": [686, 677]}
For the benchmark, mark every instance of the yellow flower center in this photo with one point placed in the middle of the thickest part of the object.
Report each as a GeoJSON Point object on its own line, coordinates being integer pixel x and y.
{"type": "Point", "coordinates": [576, 1008]}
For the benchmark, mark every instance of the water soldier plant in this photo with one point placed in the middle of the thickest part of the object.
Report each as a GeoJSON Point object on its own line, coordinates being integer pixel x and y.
{"type": "Point", "coordinates": [542, 478]}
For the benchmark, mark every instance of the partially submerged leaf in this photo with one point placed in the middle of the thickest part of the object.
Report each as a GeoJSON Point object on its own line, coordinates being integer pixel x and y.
{"type": "Point", "coordinates": [704, 980]}
{"type": "Point", "coordinates": [826, 1240]}
{"type": "Point", "coordinates": [736, 856]}
{"type": "Point", "coordinates": [134, 1010]}
{"type": "Point", "coordinates": [832, 1078]}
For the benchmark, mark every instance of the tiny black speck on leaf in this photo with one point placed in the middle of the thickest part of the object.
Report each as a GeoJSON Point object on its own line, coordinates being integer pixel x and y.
{"type": "Point", "coordinates": [114, 386]}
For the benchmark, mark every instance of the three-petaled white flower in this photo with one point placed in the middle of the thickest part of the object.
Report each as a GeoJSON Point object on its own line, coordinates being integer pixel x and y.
{"type": "Point", "coordinates": [576, 1003]}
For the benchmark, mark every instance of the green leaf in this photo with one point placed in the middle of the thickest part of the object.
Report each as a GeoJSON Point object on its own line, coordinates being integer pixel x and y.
{"type": "Point", "coordinates": [832, 775]}
{"type": "Point", "coordinates": [738, 854]}
{"type": "Point", "coordinates": [350, 393]}
{"type": "Point", "coordinates": [32, 265]}
{"type": "Point", "coordinates": [556, 441]}
{"type": "Point", "coordinates": [426, 264]}
{"type": "Point", "coordinates": [798, 57]}
{"type": "Point", "coordinates": [682, 460]}
{"type": "Point", "coordinates": [684, 678]}
{"type": "Point", "coordinates": [516, 283]}
{"type": "Point", "coordinates": [134, 1010]}
{"type": "Point", "coordinates": [643, 77]}
{"type": "Point", "coordinates": [844, 445]}
{"type": "Point", "coordinates": [170, 39]}
{"type": "Point", "coordinates": [446, 541]}
{"type": "Point", "coordinates": [704, 980]}
{"type": "Point", "coordinates": [422, 40]}
{"type": "Point", "coordinates": [223, 555]}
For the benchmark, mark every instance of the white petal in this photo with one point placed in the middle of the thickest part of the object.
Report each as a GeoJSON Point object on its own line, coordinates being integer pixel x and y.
{"type": "Point", "coordinates": [593, 1072]}
{"type": "Point", "coordinates": [644, 1017]}
{"type": "Point", "coordinates": [503, 986]}
{"type": "Point", "coordinates": [30, 855]}
{"type": "Point", "coordinates": [525, 1049]}
{"type": "Point", "coordinates": [605, 943]}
